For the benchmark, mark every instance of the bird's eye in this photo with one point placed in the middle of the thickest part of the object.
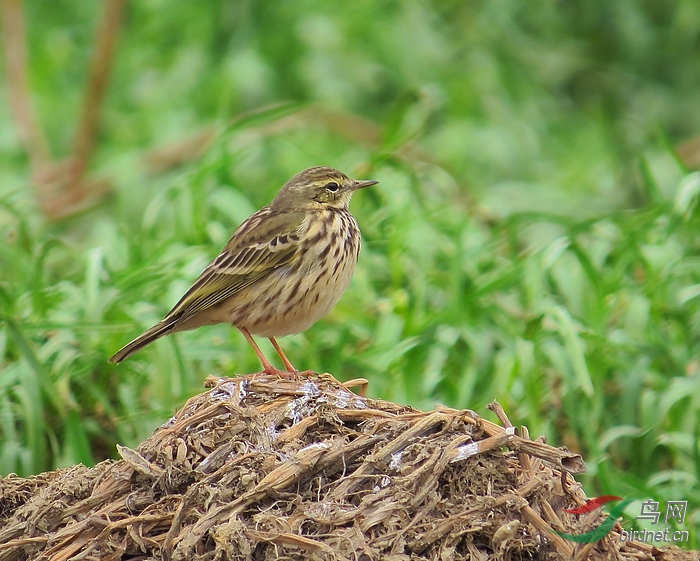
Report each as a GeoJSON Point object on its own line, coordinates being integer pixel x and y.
{"type": "Point", "coordinates": [332, 187]}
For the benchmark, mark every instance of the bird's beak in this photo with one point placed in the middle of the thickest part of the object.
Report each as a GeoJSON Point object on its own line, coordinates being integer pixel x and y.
{"type": "Point", "coordinates": [362, 184]}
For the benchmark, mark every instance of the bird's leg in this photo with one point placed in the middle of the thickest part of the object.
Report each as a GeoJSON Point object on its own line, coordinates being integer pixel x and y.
{"type": "Point", "coordinates": [267, 367]}
{"type": "Point", "coordinates": [280, 352]}
{"type": "Point", "coordinates": [288, 365]}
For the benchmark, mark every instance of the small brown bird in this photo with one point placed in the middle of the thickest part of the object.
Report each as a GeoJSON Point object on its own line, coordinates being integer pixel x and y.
{"type": "Point", "coordinates": [283, 269]}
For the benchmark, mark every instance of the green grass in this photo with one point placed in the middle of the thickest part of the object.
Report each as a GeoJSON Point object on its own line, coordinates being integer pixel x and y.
{"type": "Point", "coordinates": [533, 238]}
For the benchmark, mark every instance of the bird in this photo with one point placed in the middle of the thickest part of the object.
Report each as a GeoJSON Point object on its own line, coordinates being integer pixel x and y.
{"type": "Point", "coordinates": [284, 268]}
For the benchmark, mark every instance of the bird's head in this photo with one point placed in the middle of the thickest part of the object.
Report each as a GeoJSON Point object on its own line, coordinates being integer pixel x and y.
{"type": "Point", "coordinates": [318, 188]}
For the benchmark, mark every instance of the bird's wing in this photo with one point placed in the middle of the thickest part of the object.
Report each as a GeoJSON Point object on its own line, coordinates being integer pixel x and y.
{"type": "Point", "coordinates": [264, 242]}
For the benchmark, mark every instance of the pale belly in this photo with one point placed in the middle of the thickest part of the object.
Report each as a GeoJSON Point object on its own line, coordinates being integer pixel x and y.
{"type": "Point", "coordinates": [297, 306]}
{"type": "Point", "coordinates": [290, 300]}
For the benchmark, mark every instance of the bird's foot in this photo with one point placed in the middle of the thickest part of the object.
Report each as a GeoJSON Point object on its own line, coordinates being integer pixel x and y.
{"type": "Point", "coordinates": [286, 374]}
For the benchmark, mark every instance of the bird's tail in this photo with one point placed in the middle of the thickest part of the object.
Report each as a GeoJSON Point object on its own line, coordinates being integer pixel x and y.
{"type": "Point", "coordinates": [156, 332]}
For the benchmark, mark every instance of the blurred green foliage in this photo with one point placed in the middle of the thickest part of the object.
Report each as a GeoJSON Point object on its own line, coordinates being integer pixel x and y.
{"type": "Point", "coordinates": [534, 238]}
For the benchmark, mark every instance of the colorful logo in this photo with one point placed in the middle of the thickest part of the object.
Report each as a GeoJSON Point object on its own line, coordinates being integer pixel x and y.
{"type": "Point", "coordinates": [675, 511]}
{"type": "Point", "coordinates": [602, 530]}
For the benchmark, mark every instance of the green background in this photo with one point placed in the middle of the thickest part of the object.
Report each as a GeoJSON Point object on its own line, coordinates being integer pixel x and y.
{"type": "Point", "coordinates": [534, 238]}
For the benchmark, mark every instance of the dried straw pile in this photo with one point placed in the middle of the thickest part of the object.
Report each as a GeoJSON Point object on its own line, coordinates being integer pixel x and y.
{"type": "Point", "coordinates": [261, 468]}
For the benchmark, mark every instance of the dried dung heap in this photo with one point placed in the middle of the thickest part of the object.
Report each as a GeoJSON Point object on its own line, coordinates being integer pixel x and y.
{"type": "Point", "coordinates": [262, 468]}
